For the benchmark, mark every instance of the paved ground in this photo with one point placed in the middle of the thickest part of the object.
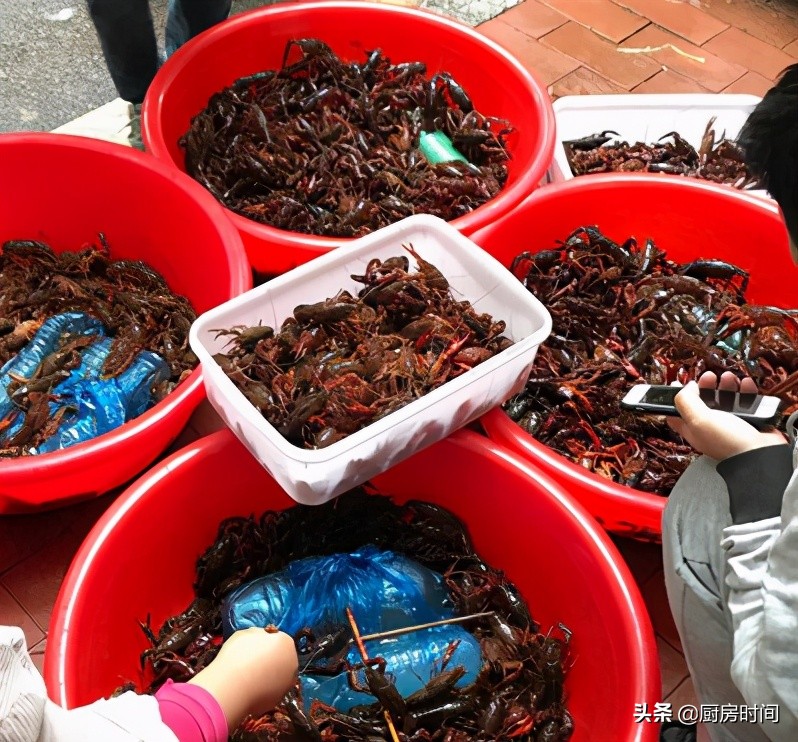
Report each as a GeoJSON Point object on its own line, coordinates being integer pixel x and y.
{"type": "Point", "coordinates": [52, 69]}
{"type": "Point", "coordinates": [651, 46]}
{"type": "Point", "coordinates": [51, 66]}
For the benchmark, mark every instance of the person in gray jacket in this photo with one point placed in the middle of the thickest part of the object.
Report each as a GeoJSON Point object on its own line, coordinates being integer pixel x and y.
{"type": "Point", "coordinates": [730, 528]}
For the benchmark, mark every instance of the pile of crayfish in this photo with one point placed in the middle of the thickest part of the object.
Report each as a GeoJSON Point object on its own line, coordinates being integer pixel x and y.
{"type": "Point", "coordinates": [624, 314]}
{"type": "Point", "coordinates": [719, 161]}
{"type": "Point", "coordinates": [328, 147]}
{"type": "Point", "coordinates": [130, 299]}
{"type": "Point", "coordinates": [340, 364]}
{"type": "Point", "coordinates": [518, 693]}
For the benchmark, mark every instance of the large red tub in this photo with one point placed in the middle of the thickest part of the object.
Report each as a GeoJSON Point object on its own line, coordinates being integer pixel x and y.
{"type": "Point", "coordinates": [140, 557]}
{"type": "Point", "coordinates": [251, 42]}
{"type": "Point", "coordinates": [686, 218]}
{"type": "Point", "coordinates": [63, 190]}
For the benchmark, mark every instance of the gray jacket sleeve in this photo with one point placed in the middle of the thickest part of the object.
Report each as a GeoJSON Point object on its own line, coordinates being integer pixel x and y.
{"type": "Point", "coordinates": [762, 560]}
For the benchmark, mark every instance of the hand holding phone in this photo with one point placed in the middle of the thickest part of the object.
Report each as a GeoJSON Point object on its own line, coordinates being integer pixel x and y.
{"type": "Point", "coordinates": [757, 409]}
{"type": "Point", "coordinates": [713, 432]}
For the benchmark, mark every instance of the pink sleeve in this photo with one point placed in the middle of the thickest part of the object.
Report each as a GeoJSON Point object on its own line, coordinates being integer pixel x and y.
{"type": "Point", "coordinates": [191, 713]}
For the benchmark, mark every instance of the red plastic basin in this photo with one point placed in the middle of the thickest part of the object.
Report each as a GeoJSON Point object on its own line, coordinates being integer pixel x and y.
{"type": "Point", "coordinates": [686, 218]}
{"type": "Point", "coordinates": [520, 521]}
{"type": "Point", "coordinates": [255, 41]}
{"type": "Point", "coordinates": [63, 190]}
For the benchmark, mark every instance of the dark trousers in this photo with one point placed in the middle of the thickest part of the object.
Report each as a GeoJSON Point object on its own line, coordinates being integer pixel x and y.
{"type": "Point", "coordinates": [127, 36]}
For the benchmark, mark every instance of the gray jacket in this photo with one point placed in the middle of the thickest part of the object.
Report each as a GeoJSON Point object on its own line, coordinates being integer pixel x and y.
{"type": "Point", "coordinates": [762, 557]}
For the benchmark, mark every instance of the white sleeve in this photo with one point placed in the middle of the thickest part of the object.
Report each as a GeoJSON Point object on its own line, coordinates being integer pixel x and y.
{"type": "Point", "coordinates": [763, 600]}
{"type": "Point", "coordinates": [26, 714]}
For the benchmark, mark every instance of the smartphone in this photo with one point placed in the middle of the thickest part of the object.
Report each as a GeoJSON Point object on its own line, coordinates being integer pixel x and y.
{"type": "Point", "coordinates": [757, 409]}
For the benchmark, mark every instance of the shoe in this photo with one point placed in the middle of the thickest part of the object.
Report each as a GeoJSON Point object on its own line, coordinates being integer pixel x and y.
{"type": "Point", "coordinates": [134, 138]}
{"type": "Point", "coordinates": [675, 731]}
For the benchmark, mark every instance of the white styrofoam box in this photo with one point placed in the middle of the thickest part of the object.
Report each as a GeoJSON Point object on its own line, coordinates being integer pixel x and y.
{"type": "Point", "coordinates": [315, 476]}
{"type": "Point", "coordinates": [646, 118]}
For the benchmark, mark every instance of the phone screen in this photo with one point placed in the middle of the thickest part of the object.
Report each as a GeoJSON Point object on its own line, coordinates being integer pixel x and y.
{"type": "Point", "coordinates": [663, 395]}
{"type": "Point", "coordinates": [717, 400]}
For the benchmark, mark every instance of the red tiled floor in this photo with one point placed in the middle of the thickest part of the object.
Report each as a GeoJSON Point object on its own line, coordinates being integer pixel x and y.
{"type": "Point", "coordinates": [684, 695]}
{"type": "Point", "coordinates": [35, 581]}
{"type": "Point", "coordinates": [26, 534]}
{"type": "Point", "coordinates": [752, 83]}
{"type": "Point", "coordinates": [602, 16]}
{"type": "Point", "coordinates": [533, 18]}
{"type": "Point", "coordinates": [673, 668]}
{"type": "Point", "coordinates": [13, 614]}
{"type": "Point", "coordinates": [581, 81]}
{"type": "Point", "coordinates": [712, 73]}
{"type": "Point", "coordinates": [37, 654]}
{"type": "Point", "coordinates": [645, 564]}
{"type": "Point", "coordinates": [737, 46]}
{"type": "Point", "coordinates": [656, 599]}
{"type": "Point", "coordinates": [669, 81]}
{"type": "Point", "coordinates": [677, 16]}
{"type": "Point", "coordinates": [548, 64]}
{"type": "Point", "coordinates": [644, 559]}
{"type": "Point", "coordinates": [765, 22]}
{"type": "Point", "coordinates": [792, 49]}
{"type": "Point", "coordinates": [601, 56]}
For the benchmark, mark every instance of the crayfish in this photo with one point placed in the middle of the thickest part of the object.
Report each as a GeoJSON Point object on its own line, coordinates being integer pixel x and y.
{"type": "Point", "coordinates": [329, 147]}
{"type": "Point", "coordinates": [518, 694]}
{"type": "Point", "coordinates": [339, 364]}
{"type": "Point", "coordinates": [622, 314]}
{"type": "Point", "coordinates": [719, 161]}
{"type": "Point", "coordinates": [132, 302]}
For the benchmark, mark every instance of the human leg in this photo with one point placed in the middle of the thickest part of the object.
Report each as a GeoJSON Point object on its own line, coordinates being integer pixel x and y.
{"type": "Point", "coordinates": [187, 18]}
{"type": "Point", "coordinates": [127, 38]}
{"type": "Point", "coordinates": [695, 515]}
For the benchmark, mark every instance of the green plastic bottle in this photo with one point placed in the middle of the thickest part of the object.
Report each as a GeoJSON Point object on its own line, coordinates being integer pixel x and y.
{"type": "Point", "coordinates": [437, 148]}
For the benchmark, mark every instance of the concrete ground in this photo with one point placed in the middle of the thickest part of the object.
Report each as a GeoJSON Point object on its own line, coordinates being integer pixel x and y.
{"type": "Point", "coordinates": [52, 69]}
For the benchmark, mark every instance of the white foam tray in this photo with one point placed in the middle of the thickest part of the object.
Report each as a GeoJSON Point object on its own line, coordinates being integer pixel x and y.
{"type": "Point", "coordinates": [646, 118]}
{"type": "Point", "coordinates": [315, 476]}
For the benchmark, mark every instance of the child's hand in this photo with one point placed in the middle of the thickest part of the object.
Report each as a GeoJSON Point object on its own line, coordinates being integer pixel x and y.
{"type": "Point", "coordinates": [252, 672]}
{"type": "Point", "coordinates": [717, 434]}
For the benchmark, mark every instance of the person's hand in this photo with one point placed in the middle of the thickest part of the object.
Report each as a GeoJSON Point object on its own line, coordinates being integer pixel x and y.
{"type": "Point", "coordinates": [717, 434]}
{"type": "Point", "coordinates": [252, 672]}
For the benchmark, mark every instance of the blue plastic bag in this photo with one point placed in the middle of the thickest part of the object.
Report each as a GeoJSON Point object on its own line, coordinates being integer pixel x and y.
{"type": "Point", "coordinates": [95, 405]}
{"type": "Point", "coordinates": [44, 342]}
{"type": "Point", "coordinates": [410, 660]}
{"type": "Point", "coordinates": [385, 591]}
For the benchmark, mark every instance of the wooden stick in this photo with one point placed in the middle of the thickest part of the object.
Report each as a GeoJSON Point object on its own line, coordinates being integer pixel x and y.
{"type": "Point", "coordinates": [391, 727]}
{"type": "Point", "coordinates": [364, 656]}
{"type": "Point", "coordinates": [406, 630]}
{"type": "Point", "coordinates": [422, 626]}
